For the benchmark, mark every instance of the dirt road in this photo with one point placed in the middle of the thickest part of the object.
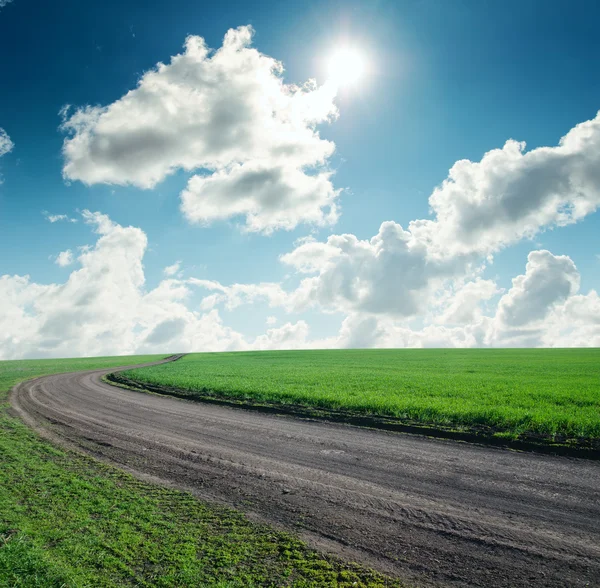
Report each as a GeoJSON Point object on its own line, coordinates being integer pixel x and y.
{"type": "Point", "coordinates": [431, 512]}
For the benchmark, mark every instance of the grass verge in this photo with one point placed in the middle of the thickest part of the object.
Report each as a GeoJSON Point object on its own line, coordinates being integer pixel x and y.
{"type": "Point", "coordinates": [544, 398]}
{"type": "Point", "coordinates": [69, 520]}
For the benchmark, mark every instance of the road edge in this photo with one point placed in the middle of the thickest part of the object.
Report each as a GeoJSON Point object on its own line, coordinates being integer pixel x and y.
{"type": "Point", "coordinates": [363, 421]}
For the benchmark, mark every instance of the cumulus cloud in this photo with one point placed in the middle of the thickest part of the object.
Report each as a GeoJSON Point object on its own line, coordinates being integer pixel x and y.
{"type": "Point", "coordinates": [64, 258]}
{"type": "Point", "coordinates": [269, 196]}
{"type": "Point", "coordinates": [166, 331]}
{"type": "Point", "coordinates": [288, 336]}
{"type": "Point", "coordinates": [6, 145]}
{"type": "Point", "coordinates": [544, 309]}
{"type": "Point", "coordinates": [359, 331]}
{"type": "Point", "coordinates": [513, 193]}
{"type": "Point", "coordinates": [390, 273]}
{"type": "Point", "coordinates": [3, 3]}
{"type": "Point", "coordinates": [227, 113]}
{"type": "Point", "coordinates": [104, 308]}
{"type": "Point", "coordinates": [370, 331]}
{"type": "Point", "coordinates": [462, 305]}
{"type": "Point", "coordinates": [574, 323]}
{"type": "Point", "coordinates": [541, 309]}
{"type": "Point", "coordinates": [548, 279]}
{"type": "Point", "coordinates": [254, 142]}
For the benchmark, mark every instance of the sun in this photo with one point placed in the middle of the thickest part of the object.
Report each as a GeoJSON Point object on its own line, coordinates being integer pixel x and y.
{"type": "Point", "coordinates": [346, 66]}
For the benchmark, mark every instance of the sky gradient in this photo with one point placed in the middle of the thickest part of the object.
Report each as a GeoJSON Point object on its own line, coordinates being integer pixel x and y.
{"type": "Point", "coordinates": [189, 179]}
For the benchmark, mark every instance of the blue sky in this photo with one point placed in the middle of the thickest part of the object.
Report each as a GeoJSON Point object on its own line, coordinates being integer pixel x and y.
{"type": "Point", "coordinates": [445, 81]}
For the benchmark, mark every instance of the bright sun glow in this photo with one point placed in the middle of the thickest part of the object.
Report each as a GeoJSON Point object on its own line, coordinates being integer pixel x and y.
{"type": "Point", "coordinates": [346, 66]}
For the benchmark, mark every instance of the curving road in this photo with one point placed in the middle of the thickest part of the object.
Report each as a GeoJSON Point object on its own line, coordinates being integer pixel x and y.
{"type": "Point", "coordinates": [428, 511]}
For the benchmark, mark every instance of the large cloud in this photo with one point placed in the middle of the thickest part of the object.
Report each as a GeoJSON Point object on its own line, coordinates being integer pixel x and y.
{"type": "Point", "coordinates": [393, 272]}
{"type": "Point", "coordinates": [228, 113]}
{"type": "Point", "coordinates": [575, 323]}
{"type": "Point", "coordinates": [423, 286]}
{"type": "Point", "coordinates": [510, 194]}
{"type": "Point", "coordinates": [541, 309]}
{"type": "Point", "coordinates": [461, 304]}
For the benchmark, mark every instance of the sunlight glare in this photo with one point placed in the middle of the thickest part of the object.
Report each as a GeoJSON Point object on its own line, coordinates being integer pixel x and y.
{"type": "Point", "coordinates": [346, 66]}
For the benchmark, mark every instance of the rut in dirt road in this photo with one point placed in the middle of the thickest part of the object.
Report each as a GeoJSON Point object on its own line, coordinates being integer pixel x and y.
{"type": "Point", "coordinates": [428, 511]}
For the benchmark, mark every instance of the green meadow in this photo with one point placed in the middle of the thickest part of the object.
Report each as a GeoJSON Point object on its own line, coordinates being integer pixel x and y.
{"type": "Point", "coordinates": [552, 393]}
{"type": "Point", "coordinates": [67, 520]}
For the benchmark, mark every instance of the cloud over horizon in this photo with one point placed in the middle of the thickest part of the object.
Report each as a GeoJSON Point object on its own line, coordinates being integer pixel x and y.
{"type": "Point", "coordinates": [104, 308]}
{"type": "Point", "coordinates": [251, 147]}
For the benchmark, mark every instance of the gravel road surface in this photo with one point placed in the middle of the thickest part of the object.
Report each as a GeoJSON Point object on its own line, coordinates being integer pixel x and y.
{"type": "Point", "coordinates": [431, 512]}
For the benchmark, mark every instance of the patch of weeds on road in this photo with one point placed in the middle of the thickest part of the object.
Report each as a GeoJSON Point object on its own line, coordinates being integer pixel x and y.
{"type": "Point", "coordinates": [67, 520]}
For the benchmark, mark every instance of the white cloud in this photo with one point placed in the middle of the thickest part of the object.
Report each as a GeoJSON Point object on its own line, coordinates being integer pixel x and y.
{"type": "Point", "coordinates": [390, 273]}
{"type": "Point", "coordinates": [423, 286]}
{"type": "Point", "coordinates": [269, 196]}
{"type": "Point", "coordinates": [541, 309]}
{"type": "Point", "coordinates": [574, 323]}
{"type": "Point", "coordinates": [370, 331]}
{"type": "Point", "coordinates": [462, 305]}
{"type": "Point", "coordinates": [360, 331]}
{"type": "Point", "coordinates": [55, 218]}
{"type": "Point", "coordinates": [6, 145]}
{"type": "Point", "coordinates": [548, 279]}
{"type": "Point", "coordinates": [415, 287]}
{"type": "Point", "coordinates": [171, 270]}
{"type": "Point", "coordinates": [228, 113]}
{"type": "Point", "coordinates": [238, 294]}
{"type": "Point", "coordinates": [511, 194]}
{"type": "Point", "coordinates": [271, 320]}
{"type": "Point", "coordinates": [64, 258]}
{"type": "Point", "coordinates": [288, 336]}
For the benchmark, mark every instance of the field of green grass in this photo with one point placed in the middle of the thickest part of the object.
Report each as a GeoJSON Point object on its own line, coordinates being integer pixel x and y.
{"type": "Point", "coordinates": [553, 394]}
{"type": "Point", "coordinates": [69, 521]}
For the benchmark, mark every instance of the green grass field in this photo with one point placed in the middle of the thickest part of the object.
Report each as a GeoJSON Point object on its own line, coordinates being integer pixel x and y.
{"type": "Point", "coordinates": [69, 521]}
{"type": "Point", "coordinates": [550, 393]}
